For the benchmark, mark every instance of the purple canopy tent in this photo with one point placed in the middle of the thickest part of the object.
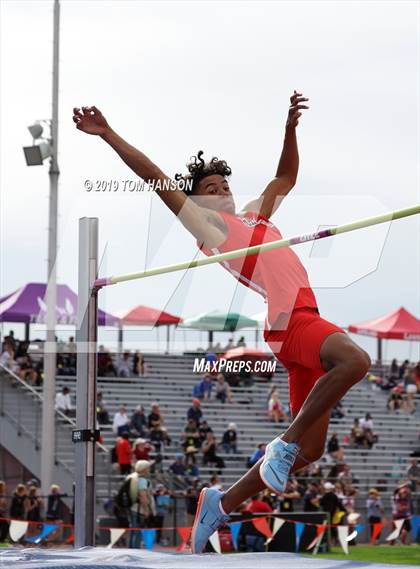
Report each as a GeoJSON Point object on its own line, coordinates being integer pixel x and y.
{"type": "Point", "coordinates": [28, 306]}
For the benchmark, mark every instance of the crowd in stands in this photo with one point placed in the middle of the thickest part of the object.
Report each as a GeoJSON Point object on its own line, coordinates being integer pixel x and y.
{"type": "Point", "coordinates": [26, 503]}
{"type": "Point", "coordinates": [402, 382]}
{"type": "Point", "coordinates": [141, 438]}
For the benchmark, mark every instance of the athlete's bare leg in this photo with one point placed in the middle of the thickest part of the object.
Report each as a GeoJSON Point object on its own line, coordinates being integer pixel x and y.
{"type": "Point", "coordinates": [345, 365]}
{"type": "Point", "coordinates": [251, 483]}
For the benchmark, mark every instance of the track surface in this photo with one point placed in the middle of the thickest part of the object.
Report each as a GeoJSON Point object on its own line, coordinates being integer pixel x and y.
{"type": "Point", "coordinates": [99, 558]}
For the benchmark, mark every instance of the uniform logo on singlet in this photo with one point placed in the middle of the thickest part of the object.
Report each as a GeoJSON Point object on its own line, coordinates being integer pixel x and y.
{"type": "Point", "coordinates": [252, 222]}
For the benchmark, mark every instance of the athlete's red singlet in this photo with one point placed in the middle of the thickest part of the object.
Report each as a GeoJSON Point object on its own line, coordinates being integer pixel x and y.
{"type": "Point", "coordinates": [277, 275]}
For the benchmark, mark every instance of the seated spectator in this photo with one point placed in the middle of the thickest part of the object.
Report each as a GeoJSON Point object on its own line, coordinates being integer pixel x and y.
{"type": "Point", "coordinates": [402, 369]}
{"type": "Point", "coordinates": [121, 423]}
{"type": "Point", "coordinates": [370, 437]}
{"type": "Point", "coordinates": [211, 357]}
{"type": "Point", "coordinates": [256, 455]}
{"type": "Point", "coordinates": [366, 422]}
{"type": "Point", "coordinates": [158, 433]}
{"type": "Point", "coordinates": [312, 498]}
{"type": "Point", "coordinates": [218, 348]}
{"type": "Point", "coordinates": [223, 391]}
{"type": "Point", "coordinates": [7, 358]}
{"type": "Point", "coordinates": [338, 411]}
{"type": "Point", "coordinates": [10, 339]}
{"type": "Point", "coordinates": [334, 449]}
{"type": "Point", "coordinates": [230, 345]}
{"type": "Point", "coordinates": [27, 370]}
{"type": "Point", "coordinates": [417, 375]}
{"type": "Point", "coordinates": [241, 342]}
{"type": "Point", "coordinates": [101, 410]}
{"type": "Point", "coordinates": [203, 429]}
{"type": "Point", "coordinates": [138, 364]}
{"type": "Point", "coordinates": [395, 400]}
{"type": "Point", "coordinates": [272, 389]}
{"type": "Point", "coordinates": [106, 366]}
{"type": "Point", "coordinates": [202, 390]}
{"type": "Point", "coordinates": [155, 418]}
{"type": "Point", "coordinates": [229, 439]}
{"type": "Point", "coordinates": [192, 470]}
{"type": "Point", "coordinates": [195, 412]}
{"type": "Point", "coordinates": [124, 453]}
{"type": "Point", "coordinates": [413, 475]}
{"type": "Point", "coordinates": [63, 402]}
{"type": "Point", "coordinates": [346, 477]}
{"type": "Point", "coordinates": [275, 408]}
{"type": "Point", "coordinates": [357, 435]}
{"type": "Point", "coordinates": [138, 422]}
{"type": "Point", "coordinates": [410, 386]}
{"type": "Point", "coordinates": [209, 452]}
{"type": "Point", "coordinates": [123, 366]}
{"type": "Point", "coordinates": [70, 354]}
{"type": "Point", "coordinates": [191, 436]}
{"type": "Point", "coordinates": [142, 449]}
{"type": "Point", "coordinates": [394, 368]}
{"type": "Point", "coordinates": [178, 468]}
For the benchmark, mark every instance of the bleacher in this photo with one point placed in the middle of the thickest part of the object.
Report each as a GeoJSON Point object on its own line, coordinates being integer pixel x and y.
{"type": "Point", "coordinates": [169, 380]}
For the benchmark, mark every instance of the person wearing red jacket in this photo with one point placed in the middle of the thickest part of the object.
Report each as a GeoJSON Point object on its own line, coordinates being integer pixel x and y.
{"type": "Point", "coordinates": [124, 454]}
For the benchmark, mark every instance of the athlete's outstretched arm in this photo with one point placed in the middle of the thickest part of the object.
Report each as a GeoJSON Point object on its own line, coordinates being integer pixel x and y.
{"type": "Point", "coordinates": [193, 217]}
{"type": "Point", "coordinates": [288, 166]}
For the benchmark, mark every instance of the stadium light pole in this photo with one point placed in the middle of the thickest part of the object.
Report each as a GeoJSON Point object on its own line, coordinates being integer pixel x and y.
{"type": "Point", "coordinates": [41, 149]}
{"type": "Point", "coordinates": [48, 423]}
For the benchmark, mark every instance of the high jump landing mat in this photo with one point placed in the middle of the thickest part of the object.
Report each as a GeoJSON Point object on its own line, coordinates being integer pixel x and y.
{"type": "Point", "coordinates": [98, 558]}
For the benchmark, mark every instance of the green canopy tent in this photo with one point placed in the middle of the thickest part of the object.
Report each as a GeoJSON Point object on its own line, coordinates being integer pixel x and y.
{"type": "Point", "coordinates": [218, 321]}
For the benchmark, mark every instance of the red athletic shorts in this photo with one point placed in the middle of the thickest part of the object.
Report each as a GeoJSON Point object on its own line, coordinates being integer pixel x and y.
{"type": "Point", "coordinates": [298, 349]}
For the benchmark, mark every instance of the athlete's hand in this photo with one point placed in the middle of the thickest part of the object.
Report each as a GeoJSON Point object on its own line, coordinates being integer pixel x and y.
{"type": "Point", "coordinates": [295, 108]}
{"type": "Point", "coordinates": [90, 120]}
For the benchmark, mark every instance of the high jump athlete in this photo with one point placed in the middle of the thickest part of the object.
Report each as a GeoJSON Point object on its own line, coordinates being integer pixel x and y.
{"type": "Point", "coordinates": [323, 363]}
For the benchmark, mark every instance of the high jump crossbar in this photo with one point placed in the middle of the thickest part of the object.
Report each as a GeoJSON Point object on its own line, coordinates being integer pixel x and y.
{"type": "Point", "coordinates": [86, 434]}
{"type": "Point", "coordinates": [360, 224]}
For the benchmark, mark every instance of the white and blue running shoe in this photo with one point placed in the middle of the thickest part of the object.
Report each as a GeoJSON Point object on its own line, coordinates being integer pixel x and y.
{"type": "Point", "coordinates": [208, 518]}
{"type": "Point", "coordinates": [278, 460]}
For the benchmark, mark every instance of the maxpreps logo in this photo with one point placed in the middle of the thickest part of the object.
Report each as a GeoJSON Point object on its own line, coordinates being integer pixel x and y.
{"type": "Point", "coordinates": [201, 365]}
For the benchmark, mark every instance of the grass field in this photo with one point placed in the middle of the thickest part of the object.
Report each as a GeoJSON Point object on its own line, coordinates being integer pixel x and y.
{"type": "Point", "coordinates": [398, 554]}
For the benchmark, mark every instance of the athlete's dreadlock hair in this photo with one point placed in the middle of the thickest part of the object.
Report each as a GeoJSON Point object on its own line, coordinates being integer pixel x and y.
{"type": "Point", "coordinates": [199, 169]}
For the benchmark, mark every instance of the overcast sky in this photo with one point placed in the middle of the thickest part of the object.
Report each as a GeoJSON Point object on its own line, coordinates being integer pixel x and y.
{"type": "Point", "coordinates": [176, 77]}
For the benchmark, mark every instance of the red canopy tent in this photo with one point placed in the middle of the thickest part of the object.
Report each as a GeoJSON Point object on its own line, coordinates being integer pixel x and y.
{"type": "Point", "coordinates": [148, 316]}
{"type": "Point", "coordinates": [397, 325]}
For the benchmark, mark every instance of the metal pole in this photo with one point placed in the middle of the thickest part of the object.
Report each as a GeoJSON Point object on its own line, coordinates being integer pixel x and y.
{"type": "Point", "coordinates": [48, 427]}
{"type": "Point", "coordinates": [379, 355]}
{"type": "Point", "coordinates": [86, 340]}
